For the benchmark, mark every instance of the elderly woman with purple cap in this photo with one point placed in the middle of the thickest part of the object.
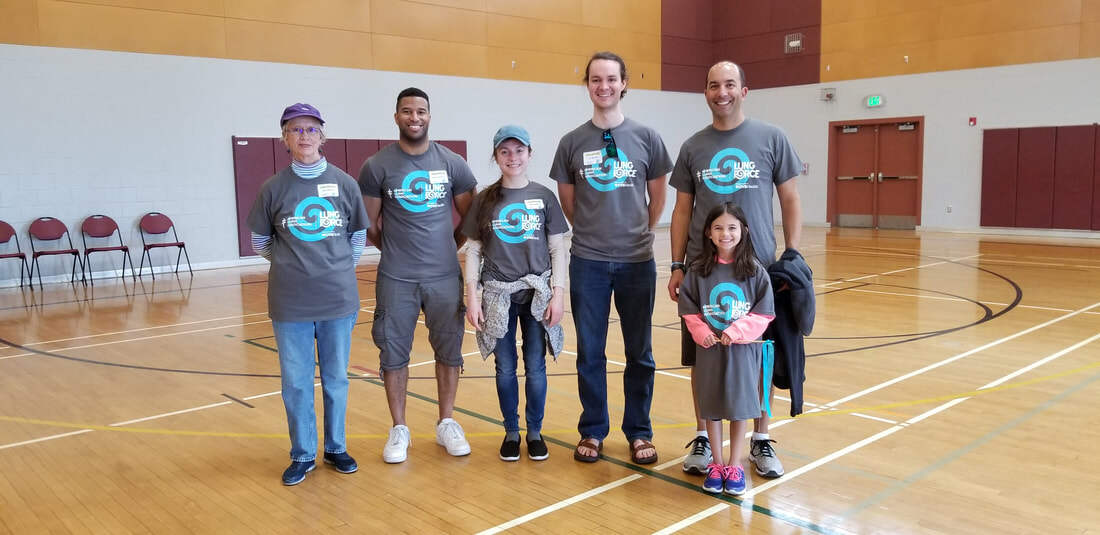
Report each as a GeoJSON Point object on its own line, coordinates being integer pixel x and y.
{"type": "Point", "coordinates": [310, 223]}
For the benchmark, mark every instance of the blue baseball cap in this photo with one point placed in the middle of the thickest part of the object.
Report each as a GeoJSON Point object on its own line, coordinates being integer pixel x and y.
{"type": "Point", "coordinates": [511, 131]}
{"type": "Point", "coordinates": [300, 109]}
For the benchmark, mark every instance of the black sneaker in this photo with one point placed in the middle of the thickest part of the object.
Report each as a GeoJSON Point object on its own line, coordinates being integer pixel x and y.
{"type": "Point", "coordinates": [536, 449]}
{"type": "Point", "coordinates": [343, 462]}
{"type": "Point", "coordinates": [296, 472]}
{"type": "Point", "coordinates": [509, 450]}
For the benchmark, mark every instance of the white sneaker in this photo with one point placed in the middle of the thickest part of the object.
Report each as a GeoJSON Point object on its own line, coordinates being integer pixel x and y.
{"type": "Point", "coordinates": [450, 435]}
{"type": "Point", "coordinates": [397, 447]}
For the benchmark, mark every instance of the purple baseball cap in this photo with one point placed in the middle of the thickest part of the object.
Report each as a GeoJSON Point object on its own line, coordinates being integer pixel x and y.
{"type": "Point", "coordinates": [300, 109]}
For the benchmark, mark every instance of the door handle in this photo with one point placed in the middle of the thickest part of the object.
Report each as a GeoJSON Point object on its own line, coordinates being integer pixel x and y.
{"type": "Point", "coordinates": [880, 176]}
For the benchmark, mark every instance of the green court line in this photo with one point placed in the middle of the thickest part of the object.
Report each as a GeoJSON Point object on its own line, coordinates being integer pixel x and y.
{"type": "Point", "coordinates": [642, 470]}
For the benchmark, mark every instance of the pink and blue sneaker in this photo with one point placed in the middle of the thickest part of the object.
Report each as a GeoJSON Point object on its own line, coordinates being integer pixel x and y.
{"type": "Point", "coordinates": [716, 477]}
{"type": "Point", "coordinates": [734, 480]}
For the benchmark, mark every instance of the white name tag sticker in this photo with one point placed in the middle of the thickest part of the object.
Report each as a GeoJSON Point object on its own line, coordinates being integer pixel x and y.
{"type": "Point", "coordinates": [594, 157]}
{"type": "Point", "coordinates": [533, 204]}
{"type": "Point", "coordinates": [328, 190]}
{"type": "Point", "coordinates": [437, 177]}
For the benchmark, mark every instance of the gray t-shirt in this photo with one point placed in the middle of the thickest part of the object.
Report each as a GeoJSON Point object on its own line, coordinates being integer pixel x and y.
{"type": "Point", "coordinates": [742, 165]}
{"type": "Point", "coordinates": [312, 277]}
{"type": "Point", "coordinates": [610, 211]}
{"type": "Point", "coordinates": [728, 377]}
{"type": "Point", "coordinates": [417, 195]}
{"type": "Point", "coordinates": [522, 221]}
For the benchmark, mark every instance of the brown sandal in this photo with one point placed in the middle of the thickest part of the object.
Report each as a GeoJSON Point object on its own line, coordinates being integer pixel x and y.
{"type": "Point", "coordinates": [592, 444]}
{"type": "Point", "coordinates": [641, 444]}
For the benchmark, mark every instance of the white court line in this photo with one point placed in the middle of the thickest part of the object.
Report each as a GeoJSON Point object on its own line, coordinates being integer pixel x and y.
{"type": "Point", "coordinates": [43, 439]}
{"type": "Point", "coordinates": [145, 419]}
{"type": "Point", "coordinates": [893, 429]}
{"type": "Point", "coordinates": [139, 329]}
{"type": "Point", "coordinates": [559, 505]}
{"type": "Point", "coordinates": [693, 519]}
{"type": "Point", "coordinates": [173, 413]}
{"type": "Point", "coordinates": [960, 356]}
{"type": "Point", "coordinates": [140, 338]}
{"type": "Point", "coordinates": [946, 261]}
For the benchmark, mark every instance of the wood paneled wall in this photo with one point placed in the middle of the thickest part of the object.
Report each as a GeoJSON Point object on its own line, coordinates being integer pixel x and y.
{"type": "Point", "coordinates": [869, 38]}
{"type": "Point", "coordinates": [531, 40]}
{"type": "Point", "coordinates": [698, 33]}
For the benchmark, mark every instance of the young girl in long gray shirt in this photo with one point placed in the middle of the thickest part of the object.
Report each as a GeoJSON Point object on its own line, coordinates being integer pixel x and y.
{"type": "Point", "coordinates": [726, 303]}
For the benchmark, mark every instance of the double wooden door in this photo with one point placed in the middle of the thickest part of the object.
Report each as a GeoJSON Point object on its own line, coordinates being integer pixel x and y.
{"type": "Point", "coordinates": [875, 173]}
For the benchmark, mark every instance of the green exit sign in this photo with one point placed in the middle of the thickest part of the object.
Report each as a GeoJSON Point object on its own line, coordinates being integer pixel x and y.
{"type": "Point", "coordinates": [874, 101]}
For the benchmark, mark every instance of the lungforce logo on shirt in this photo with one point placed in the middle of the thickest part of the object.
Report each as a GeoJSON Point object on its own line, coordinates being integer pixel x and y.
{"type": "Point", "coordinates": [730, 170]}
{"type": "Point", "coordinates": [607, 174]}
{"type": "Point", "coordinates": [516, 223]}
{"type": "Point", "coordinates": [314, 219]}
{"type": "Point", "coordinates": [421, 191]}
{"type": "Point", "coordinates": [725, 304]}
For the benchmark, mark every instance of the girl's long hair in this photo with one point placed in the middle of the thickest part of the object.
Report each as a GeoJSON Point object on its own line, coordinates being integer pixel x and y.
{"type": "Point", "coordinates": [487, 199]}
{"type": "Point", "coordinates": [744, 255]}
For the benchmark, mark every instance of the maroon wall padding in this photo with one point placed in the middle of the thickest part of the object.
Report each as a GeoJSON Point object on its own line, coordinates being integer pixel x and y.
{"type": "Point", "coordinates": [459, 147]}
{"type": "Point", "coordinates": [1074, 156]}
{"type": "Point", "coordinates": [749, 33]}
{"type": "Point", "coordinates": [1096, 181]}
{"type": "Point", "coordinates": [1035, 178]}
{"type": "Point", "coordinates": [335, 151]}
{"type": "Point", "coordinates": [358, 150]}
{"type": "Point", "coordinates": [1000, 150]}
{"type": "Point", "coordinates": [253, 163]}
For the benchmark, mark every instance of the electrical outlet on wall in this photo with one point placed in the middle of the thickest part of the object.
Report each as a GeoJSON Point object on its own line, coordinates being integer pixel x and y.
{"type": "Point", "coordinates": [947, 210]}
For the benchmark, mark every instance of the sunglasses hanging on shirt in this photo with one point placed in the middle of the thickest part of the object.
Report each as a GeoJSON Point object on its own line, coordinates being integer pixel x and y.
{"type": "Point", "coordinates": [610, 148]}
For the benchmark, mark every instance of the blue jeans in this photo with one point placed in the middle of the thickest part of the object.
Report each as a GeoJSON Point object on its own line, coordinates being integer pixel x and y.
{"type": "Point", "coordinates": [296, 363]}
{"type": "Point", "coordinates": [634, 285]}
{"type": "Point", "coordinates": [534, 369]}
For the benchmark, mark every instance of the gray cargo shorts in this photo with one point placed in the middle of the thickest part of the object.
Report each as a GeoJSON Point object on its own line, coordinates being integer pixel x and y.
{"type": "Point", "coordinates": [398, 306]}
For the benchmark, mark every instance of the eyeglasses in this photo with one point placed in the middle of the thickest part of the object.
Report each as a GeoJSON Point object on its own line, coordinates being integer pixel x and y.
{"type": "Point", "coordinates": [609, 140]}
{"type": "Point", "coordinates": [309, 130]}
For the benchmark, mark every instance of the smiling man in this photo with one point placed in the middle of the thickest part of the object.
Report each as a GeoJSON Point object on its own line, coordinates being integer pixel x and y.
{"type": "Point", "coordinates": [410, 187]}
{"type": "Point", "coordinates": [612, 174]}
{"type": "Point", "coordinates": [740, 160]}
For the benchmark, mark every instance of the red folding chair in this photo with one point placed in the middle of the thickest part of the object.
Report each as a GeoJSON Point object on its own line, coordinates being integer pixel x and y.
{"type": "Point", "coordinates": [49, 229]}
{"type": "Point", "coordinates": [101, 226]}
{"type": "Point", "coordinates": [157, 224]}
{"type": "Point", "coordinates": [6, 234]}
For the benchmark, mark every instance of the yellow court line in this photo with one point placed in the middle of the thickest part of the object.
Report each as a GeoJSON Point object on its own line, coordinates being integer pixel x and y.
{"type": "Point", "coordinates": [826, 412]}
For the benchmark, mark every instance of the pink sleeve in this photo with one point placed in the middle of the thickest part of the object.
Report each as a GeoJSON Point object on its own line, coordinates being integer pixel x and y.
{"type": "Point", "coordinates": [698, 329]}
{"type": "Point", "coordinates": [748, 327]}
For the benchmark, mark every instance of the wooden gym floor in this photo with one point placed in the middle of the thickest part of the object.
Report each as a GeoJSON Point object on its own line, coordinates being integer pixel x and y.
{"type": "Point", "coordinates": [952, 388]}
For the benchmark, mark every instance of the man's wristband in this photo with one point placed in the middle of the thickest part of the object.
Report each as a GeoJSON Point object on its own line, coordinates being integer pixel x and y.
{"type": "Point", "coordinates": [677, 265]}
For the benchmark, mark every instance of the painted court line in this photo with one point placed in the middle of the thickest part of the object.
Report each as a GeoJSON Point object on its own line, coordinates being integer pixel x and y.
{"type": "Point", "coordinates": [792, 474]}
{"type": "Point", "coordinates": [141, 338]}
{"type": "Point", "coordinates": [960, 356]}
{"type": "Point", "coordinates": [43, 439]}
{"type": "Point", "coordinates": [559, 505]}
{"type": "Point", "coordinates": [140, 329]}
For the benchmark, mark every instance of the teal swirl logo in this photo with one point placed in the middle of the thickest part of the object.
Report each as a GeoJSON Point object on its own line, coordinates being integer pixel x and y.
{"type": "Point", "coordinates": [418, 193]}
{"type": "Point", "coordinates": [516, 223]}
{"type": "Point", "coordinates": [314, 219]}
{"type": "Point", "coordinates": [610, 173]}
{"type": "Point", "coordinates": [730, 171]}
{"type": "Point", "coordinates": [726, 303]}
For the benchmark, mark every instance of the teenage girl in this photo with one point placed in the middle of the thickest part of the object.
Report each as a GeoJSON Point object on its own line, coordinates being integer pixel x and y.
{"type": "Point", "coordinates": [726, 303]}
{"type": "Point", "coordinates": [516, 255]}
